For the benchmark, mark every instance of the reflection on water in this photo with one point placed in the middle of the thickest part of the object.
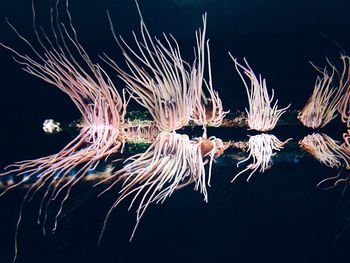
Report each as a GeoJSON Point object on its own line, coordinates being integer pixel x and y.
{"type": "Point", "coordinates": [73, 205]}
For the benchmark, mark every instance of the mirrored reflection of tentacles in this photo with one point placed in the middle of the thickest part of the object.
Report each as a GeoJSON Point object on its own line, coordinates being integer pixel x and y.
{"type": "Point", "coordinates": [321, 108]}
{"type": "Point", "coordinates": [344, 105]}
{"type": "Point", "coordinates": [345, 149]}
{"type": "Point", "coordinates": [63, 62]}
{"type": "Point", "coordinates": [262, 115]}
{"type": "Point", "coordinates": [330, 153]}
{"type": "Point", "coordinates": [261, 148]}
{"type": "Point", "coordinates": [170, 163]}
{"type": "Point", "coordinates": [175, 94]}
{"type": "Point", "coordinates": [172, 91]}
{"type": "Point", "coordinates": [207, 109]}
{"type": "Point", "coordinates": [323, 148]}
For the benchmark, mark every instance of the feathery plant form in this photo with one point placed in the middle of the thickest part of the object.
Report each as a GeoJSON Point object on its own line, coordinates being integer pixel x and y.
{"type": "Point", "coordinates": [344, 105]}
{"type": "Point", "coordinates": [262, 116]}
{"type": "Point", "coordinates": [345, 150]}
{"type": "Point", "coordinates": [321, 108]}
{"type": "Point", "coordinates": [322, 148]}
{"type": "Point", "coordinates": [64, 63]}
{"type": "Point", "coordinates": [161, 84]}
{"type": "Point", "coordinates": [261, 149]}
{"type": "Point", "coordinates": [175, 93]}
{"type": "Point", "coordinates": [166, 81]}
{"type": "Point", "coordinates": [172, 92]}
{"type": "Point", "coordinates": [207, 109]}
{"type": "Point", "coordinates": [330, 153]}
{"type": "Point", "coordinates": [170, 163]}
{"type": "Point", "coordinates": [344, 108]}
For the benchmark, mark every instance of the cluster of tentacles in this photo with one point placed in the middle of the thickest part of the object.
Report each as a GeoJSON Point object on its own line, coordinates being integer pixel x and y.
{"type": "Point", "coordinates": [261, 148]}
{"type": "Point", "coordinates": [176, 94]}
{"type": "Point", "coordinates": [63, 62]}
{"type": "Point", "coordinates": [330, 97]}
{"type": "Point", "coordinates": [261, 115]}
{"type": "Point", "coordinates": [326, 98]}
{"type": "Point", "coordinates": [172, 92]}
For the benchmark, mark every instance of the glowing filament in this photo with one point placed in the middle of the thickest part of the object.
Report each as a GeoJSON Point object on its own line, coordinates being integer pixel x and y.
{"type": "Point", "coordinates": [170, 163]}
{"type": "Point", "coordinates": [261, 149]}
{"type": "Point", "coordinates": [262, 116]}
{"type": "Point", "coordinates": [322, 105]}
{"type": "Point", "coordinates": [160, 82]}
{"type": "Point", "coordinates": [322, 148]}
{"type": "Point", "coordinates": [207, 108]}
{"type": "Point", "coordinates": [93, 93]}
{"type": "Point", "coordinates": [344, 105]}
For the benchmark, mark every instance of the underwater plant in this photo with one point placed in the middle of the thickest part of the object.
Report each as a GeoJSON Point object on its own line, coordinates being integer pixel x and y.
{"type": "Point", "coordinates": [330, 153]}
{"type": "Point", "coordinates": [165, 84]}
{"type": "Point", "coordinates": [176, 94]}
{"type": "Point", "coordinates": [207, 110]}
{"type": "Point", "coordinates": [345, 150]}
{"type": "Point", "coordinates": [321, 108]}
{"type": "Point", "coordinates": [170, 163]}
{"type": "Point", "coordinates": [63, 62]}
{"type": "Point", "coordinates": [344, 103]}
{"type": "Point", "coordinates": [343, 108]}
{"type": "Point", "coordinates": [161, 82]}
{"type": "Point", "coordinates": [262, 116]}
{"type": "Point", "coordinates": [322, 148]}
{"type": "Point", "coordinates": [261, 149]}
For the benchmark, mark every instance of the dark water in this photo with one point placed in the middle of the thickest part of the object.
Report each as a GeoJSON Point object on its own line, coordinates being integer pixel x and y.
{"type": "Point", "coordinates": [280, 216]}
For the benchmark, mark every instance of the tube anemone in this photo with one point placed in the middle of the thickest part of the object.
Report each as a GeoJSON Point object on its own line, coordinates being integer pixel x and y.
{"type": "Point", "coordinates": [344, 105]}
{"type": "Point", "coordinates": [262, 116]}
{"type": "Point", "coordinates": [321, 108]}
{"type": "Point", "coordinates": [322, 148]}
{"type": "Point", "coordinates": [160, 82]}
{"type": "Point", "coordinates": [63, 62]}
{"type": "Point", "coordinates": [330, 153]}
{"type": "Point", "coordinates": [170, 163]}
{"type": "Point", "coordinates": [172, 91]}
{"type": "Point", "coordinates": [207, 107]}
{"type": "Point", "coordinates": [345, 150]}
{"type": "Point", "coordinates": [344, 108]}
{"type": "Point", "coordinates": [261, 149]}
{"type": "Point", "coordinates": [166, 85]}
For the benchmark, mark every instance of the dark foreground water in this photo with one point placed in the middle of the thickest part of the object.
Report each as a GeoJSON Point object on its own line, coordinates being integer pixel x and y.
{"type": "Point", "coordinates": [279, 216]}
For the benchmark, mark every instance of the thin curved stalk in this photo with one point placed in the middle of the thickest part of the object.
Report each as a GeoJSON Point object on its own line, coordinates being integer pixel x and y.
{"type": "Point", "coordinates": [262, 115]}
